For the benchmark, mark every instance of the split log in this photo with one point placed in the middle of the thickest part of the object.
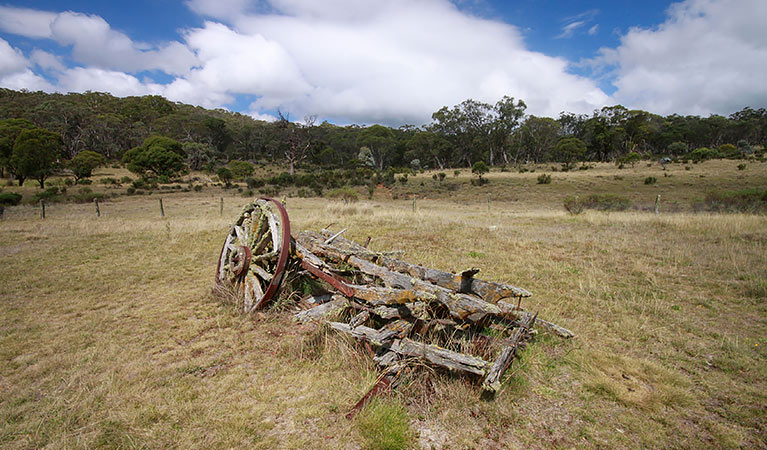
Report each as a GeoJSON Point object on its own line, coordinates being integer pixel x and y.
{"type": "Point", "coordinates": [437, 356]}
{"type": "Point", "coordinates": [489, 291]}
{"type": "Point", "coordinates": [511, 312]}
{"type": "Point", "coordinates": [492, 382]}
{"type": "Point", "coordinates": [337, 304]}
{"type": "Point", "coordinates": [401, 288]}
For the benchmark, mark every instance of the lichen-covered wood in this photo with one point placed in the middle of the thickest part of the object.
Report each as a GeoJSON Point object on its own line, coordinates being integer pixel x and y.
{"type": "Point", "coordinates": [451, 321]}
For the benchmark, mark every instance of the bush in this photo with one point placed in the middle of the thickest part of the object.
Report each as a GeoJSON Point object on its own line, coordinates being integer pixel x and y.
{"type": "Point", "coordinates": [729, 151]}
{"type": "Point", "coordinates": [544, 179]}
{"type": "Point", "coordinates": [456, 173]}
{"type": "Point", "coordinates": [126, 180]}
{"type": "Point", "coordinates": [10, 198]}
{"type": "Point", "coordinates": [109, 180]}
{"type": "Point", "coordinates": [745, 201]}
{"type": "Point", "coordinates": [85, 181]}
{"type": "Point", "coordinates": [197, 188]}
{"type": "Point", "coordinates": [741, 166]}
{"type": "Point", "coordinates": [573, 205]}
{"type": "Point", "coordinates": [703, 154]}
{"type": "Point", "coordinates": [131, 190]}
{"type": "Point", "coordinates": [346, 193]}
{"type": "Point", "coordinates": [403, 179]}
{"type": "Point", "coordinates": [241, 169]}
{"type": "Point", "coordinates": [607, 202]}
{"type": "Point", "coordinates": [254, 183]}
{"type": "Point", "coordinates": [650, 180]}
{"type": "Point", "coordinates": [49, 195]}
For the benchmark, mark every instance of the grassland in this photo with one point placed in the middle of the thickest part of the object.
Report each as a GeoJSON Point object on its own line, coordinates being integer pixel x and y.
{"type": "Point", "coordinates": [110, 338]}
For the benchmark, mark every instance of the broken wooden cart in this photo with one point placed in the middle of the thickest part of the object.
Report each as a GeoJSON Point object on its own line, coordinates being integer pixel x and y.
{"type": "Point", "coordinates": [452, 321]}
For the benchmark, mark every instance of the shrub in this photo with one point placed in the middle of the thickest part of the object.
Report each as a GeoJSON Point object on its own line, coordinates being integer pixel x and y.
{"type": "Point", "coordinates": [745, 201]}
{"type": "Point", "coordinates": [729, 151]}
{"type": "Point", "coordinates": [10, 198]}
{"type": "Point", "coordinates": [241, 169]}
{"type": "Point", "coordinates": [131, 190]}
{"type": "Point", "coordinates": [650, 180]}
{"type": "Point", "coordinates": [703, 154]}
{"type": "Point", "coordinates": [85, 181]}
{"type": "Point", "coordinates": [49, 195]}
{"type": "Point", "coordinates": [126, 179]}
{"type": "Point", "coordinates": [607, 202]}
{"type": "Point", "coordinates": [456, 173]}
{"type": "Point", "coordinates": [573, 205]}
{"type": "Point", "coordinates": [224, 175]}
{"type": "Point", "coordinates": [741, 166]}
{"type": "Point", "coordinates": [441, 176]}
{"type": "Point", "coordinates": [403, 179]}
{"type": "Point", "coordinates": [346, 193]}
{"type": "Point", "coordinates": [254, 183]}
{"type": "Point", "coordinates": [544, 179]}
{"type": "Point", "coordinates": [197, 188]}
{"type": "Point", "coordinates": [109, 180]}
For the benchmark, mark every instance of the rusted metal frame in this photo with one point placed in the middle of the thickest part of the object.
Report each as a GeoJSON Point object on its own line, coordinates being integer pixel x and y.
{"type": "Point", "coordinates": [329, 278]}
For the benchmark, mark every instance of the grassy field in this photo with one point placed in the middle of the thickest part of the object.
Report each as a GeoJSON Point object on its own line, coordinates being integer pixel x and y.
{"type": "Point", "coordinates": [110, 337]}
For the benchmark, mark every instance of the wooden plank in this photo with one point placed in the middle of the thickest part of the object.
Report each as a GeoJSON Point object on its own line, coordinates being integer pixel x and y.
{"type": "Point", "coordinates": [400, 287]}
{"type": "Point", "coordinates": [489, 291]}
{"type": "Point", "coordinates": [492, 382]}
{"type": "Point", "coordinates": [435, 355]}
{"type": "Point", "coordinates": [336, 305]}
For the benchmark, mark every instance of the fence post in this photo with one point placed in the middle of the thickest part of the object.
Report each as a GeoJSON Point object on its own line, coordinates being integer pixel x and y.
{"type": "Point", "coordinates": [488, 202]}
{"type": "Point", "coordinates": [96, 203]}
{"type": "Point", "coordinates": [221, 207]}
{"type": "Point", "coordinates": [42, 209]}
{"type": "Point", "coordinates": [414, 199]}
{"type": "Point", "coordinates": [657, 204]}
{"type": "Point", "coordinates": [162, 210]}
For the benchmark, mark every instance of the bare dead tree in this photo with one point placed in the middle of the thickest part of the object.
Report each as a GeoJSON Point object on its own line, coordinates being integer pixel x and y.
{"type": "Point", "coordinates": [295, 138]}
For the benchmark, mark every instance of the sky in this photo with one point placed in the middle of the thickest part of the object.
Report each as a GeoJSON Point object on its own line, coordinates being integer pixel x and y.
{"type": "Point", "coordinates": [394, 62]}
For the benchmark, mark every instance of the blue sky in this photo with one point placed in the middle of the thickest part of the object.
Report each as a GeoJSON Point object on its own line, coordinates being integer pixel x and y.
{"type": "Point", "coordinates": [395, 61]}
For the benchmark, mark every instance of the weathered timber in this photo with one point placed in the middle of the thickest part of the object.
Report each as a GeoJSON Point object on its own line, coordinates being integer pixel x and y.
{"type": "Point", "coordinates": [511, 312]}
{"type": "Point", "coordinates": [492, 382]}
{"type": "Point", "coordinates": [489, 291]}
{"type": "Point", "coordinates": [401, 288]}
{"type": "Point", "coordinates": [336, 305]}
{"type": "Point", "coordinates": [437, 356]}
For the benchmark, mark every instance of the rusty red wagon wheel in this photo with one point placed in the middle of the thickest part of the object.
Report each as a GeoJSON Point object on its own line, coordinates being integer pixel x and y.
{"type": "Point", "coordinates": [255, 253]}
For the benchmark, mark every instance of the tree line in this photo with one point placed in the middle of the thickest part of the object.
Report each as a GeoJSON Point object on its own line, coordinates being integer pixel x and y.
{"type": "Point", "coordinates": [109, 128]}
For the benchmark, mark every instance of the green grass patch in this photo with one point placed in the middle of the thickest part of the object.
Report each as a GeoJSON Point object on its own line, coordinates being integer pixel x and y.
{"type": "Point", "coordinates": [384, 425]}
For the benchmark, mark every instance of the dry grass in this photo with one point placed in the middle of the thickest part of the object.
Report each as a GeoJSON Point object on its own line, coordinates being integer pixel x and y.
{"type": "Point", "coordinates": [109, 336]}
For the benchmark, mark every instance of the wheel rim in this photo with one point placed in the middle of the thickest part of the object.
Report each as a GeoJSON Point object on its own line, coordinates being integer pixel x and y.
{"type": "Point", "coordinates": [255, 253]}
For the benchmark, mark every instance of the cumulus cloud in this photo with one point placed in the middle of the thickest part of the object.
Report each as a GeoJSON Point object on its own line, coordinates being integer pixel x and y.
{"type": "Point", "coordinates": [26, 22]}
{"type": "Point", "coordinates": [709, 56]}
{"type": "Point", "coordinates": [121, 84]}
{"type": "Point", "coordinates": [95, 43]}
{"type": "Point", "coordinates": [367, 61]}
{"type": "Point", "coordinates": [11, 59]}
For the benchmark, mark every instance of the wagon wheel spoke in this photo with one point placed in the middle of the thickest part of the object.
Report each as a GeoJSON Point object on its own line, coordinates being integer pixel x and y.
{"type": "Point", "coordinates": [255, 253]}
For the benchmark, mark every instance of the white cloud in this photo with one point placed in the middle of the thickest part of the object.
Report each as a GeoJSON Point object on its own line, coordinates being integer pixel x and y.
{"type": "Point", "coordinates": [11, 59]}
{"type": "Point", "coordinates": [709, 56]}
{"type": "Point", "coordinates": [47, 61]}
{"type": "Point", "coordinates": [120, 84]}
{"type": "Point", "coordinates": [593, 30]}
{"type": "Point", "coordinates": [367, 61]}
{"type": "Point", "coordinates": [26, 22]}
{"type": "Point", "coordinates": [95, 43]}
{"type": "Point", "coordinates": [569, 29]}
